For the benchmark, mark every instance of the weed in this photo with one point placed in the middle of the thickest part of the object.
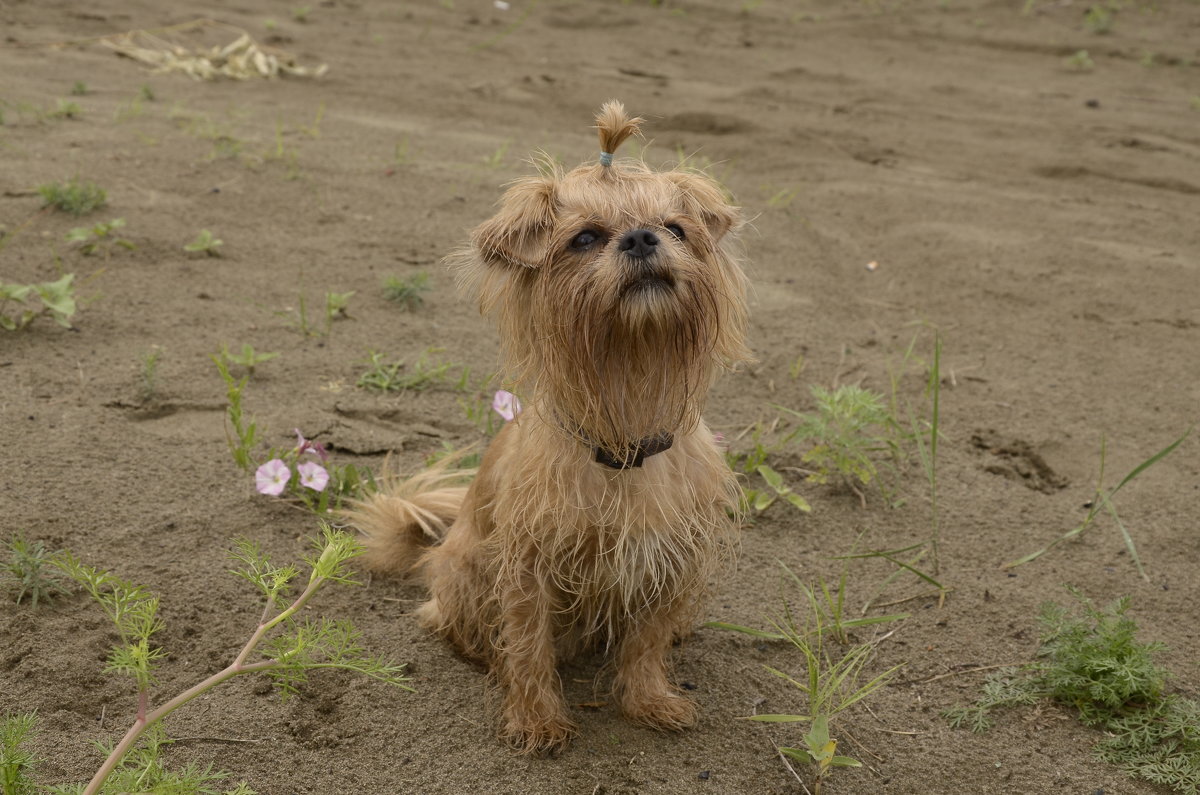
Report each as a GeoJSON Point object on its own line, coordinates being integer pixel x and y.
{"type": "Point", "coordinates": [1099, 19]}
{"type": "Point", "coordinates": [425, 372]}
{"type": "Point", "coordinates": [16, 764]}
{"type": "Point", "coordinates": [146, 93]}
{"type": "Point", "coordinates": [314, 129]}
{"type": "Point", "coordinates": [335, 308]}
{"type": "Point", "coordinates": [73, 196]}
{"type": "Point", "coordinates": [80, 89]}
{"type": "Point", "coordinates": [460, 460]}
{"type": "Point", "coordinates": [148, 372]}
{"type": "Point", "coordinates": [850, 426]}
{"type": "Point", "coordinates": [300, 13]}
{"type": "Point", "coordinates": [406, 292]}
{"type": "Point", "coordinates": [496, 158]}
{"type": "Point", "coordinates": [484, 405]}
{"type": "Point", "coordinates": [401, 155]}
{"type": "Point", "coordinates": [828, 606]}
{"type": "Point", "coordinates": [829, 686]}
{"type": "Point", "coordinates": [30, 567]}
{"type": "Point", "coordinates": [782, 199]}
{"type": "Point", "coordinates": [754, 463]}
{"type": "Point", "coordinates": [245, 430]}
{"type": "Point", "coordinates": [1080, 61]}
{"type": "Point", "coordinates": [206, 243]}
{"type": "Point", "coordinates": [1094, 663]}
{"type": "Point", "coordinates": [65, 109]}
{"type": "Point", "coordinates": [291, 647]}
{"type": "Point", "coordinates": [99, 238]}
{"type": "Point", "coordinates": [57, 300]}
{"type": "Point", "coordinates": [1102, 501]}
{"type": "Point", "coordinates": [247, 358]}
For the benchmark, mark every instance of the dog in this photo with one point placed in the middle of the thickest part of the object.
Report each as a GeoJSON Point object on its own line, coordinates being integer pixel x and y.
{"type": "Point", "coordinates": [600, 514]}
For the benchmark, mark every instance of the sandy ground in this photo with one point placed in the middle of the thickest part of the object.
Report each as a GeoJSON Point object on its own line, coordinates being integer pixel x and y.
{"type": "Point", "coordinates": [1042, 218]}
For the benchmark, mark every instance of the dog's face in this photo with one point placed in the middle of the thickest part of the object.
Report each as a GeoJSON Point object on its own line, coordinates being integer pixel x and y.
{"type": "Point", "coordinates": [614, 296]}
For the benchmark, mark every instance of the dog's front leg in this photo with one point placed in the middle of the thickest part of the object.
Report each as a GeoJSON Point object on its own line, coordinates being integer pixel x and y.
{"type": "Point", "coordinates": [642, 688]}
{"type": "Point", "coordinates": [535, 716]}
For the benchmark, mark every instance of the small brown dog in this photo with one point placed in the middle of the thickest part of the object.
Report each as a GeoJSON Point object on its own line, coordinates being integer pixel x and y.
{"type": "Point", "coordinates": [599, 514]}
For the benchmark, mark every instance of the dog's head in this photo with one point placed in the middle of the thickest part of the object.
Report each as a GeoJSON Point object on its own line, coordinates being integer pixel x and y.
{"type": "Point", "coordinates": [615, 296]}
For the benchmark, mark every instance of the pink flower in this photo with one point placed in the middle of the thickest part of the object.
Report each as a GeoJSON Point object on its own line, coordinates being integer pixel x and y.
{"type": "Point", "coordinates": [308, 446]}
{"type": "Point", "coordinates": [272, 477]}
{"type": "Point", "coordinates": [506, 404]}
{"type": "Point", "coordinates": [313, 476]}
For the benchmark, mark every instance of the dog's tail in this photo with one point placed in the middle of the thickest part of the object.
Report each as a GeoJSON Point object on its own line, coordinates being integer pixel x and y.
{"type": "Point", "coordinates": [406, 516]}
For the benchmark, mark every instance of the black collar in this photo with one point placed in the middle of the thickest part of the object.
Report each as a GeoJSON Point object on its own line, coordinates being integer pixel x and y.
{"type": "Point", "coordinates": [635, 455]}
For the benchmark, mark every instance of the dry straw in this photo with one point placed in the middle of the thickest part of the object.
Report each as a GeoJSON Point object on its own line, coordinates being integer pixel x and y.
{"type": "Point", "coordinates": [242, 59]}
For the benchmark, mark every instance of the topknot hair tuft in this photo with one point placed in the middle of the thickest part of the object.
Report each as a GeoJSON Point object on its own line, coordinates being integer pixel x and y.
{"type": "Point", "coordinates": [614, 126]}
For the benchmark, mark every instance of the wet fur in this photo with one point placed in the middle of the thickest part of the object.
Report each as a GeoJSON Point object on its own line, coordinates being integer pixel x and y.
{"type": "Point", "coordinates": [549, 553]}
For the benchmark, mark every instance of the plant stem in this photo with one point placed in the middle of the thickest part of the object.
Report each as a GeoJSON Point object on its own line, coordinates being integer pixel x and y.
{"type": "Point", "coordinates": [146, 719]}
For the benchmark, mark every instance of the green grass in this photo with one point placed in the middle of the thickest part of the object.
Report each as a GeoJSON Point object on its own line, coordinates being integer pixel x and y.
{"type": "Point", "coordinates": [396, 376]}
{"type": "Point", "coordinates": [849, 428]}
{"type": "Point", "coordinates": [828, 682]}
{"type": "Point", "coordinates": [1092, 663]}
{"type": "Point", "coordinates": [1102, 502]}
{"type": "Point", "coordinates": [56, 299]}
{"type": "Point", "coordinates": [17, 763]}
{"type": "Point", "coordinates": [30, 571]}
{"type": "Point", "coordinates": [73, 196]}
{"type": "Point", "coordinates": [406, 292]}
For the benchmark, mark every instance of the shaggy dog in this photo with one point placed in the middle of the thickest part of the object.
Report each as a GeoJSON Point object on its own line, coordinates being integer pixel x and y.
{"type": "Point", "coordinates": [600, 513]}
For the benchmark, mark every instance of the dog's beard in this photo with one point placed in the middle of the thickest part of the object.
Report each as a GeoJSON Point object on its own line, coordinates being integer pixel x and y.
{"type": "Point", "coordinates": [621, 356]}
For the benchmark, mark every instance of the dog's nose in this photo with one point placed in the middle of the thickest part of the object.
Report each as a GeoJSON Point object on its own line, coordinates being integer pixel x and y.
{"type": "Point", "coordinates": [639, 243]}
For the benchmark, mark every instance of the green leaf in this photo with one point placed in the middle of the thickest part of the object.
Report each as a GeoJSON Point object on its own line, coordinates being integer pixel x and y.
{"type": "Point", "coordinates": [798, 501]}
{"type": "Point", "coordinates": [773, 478]}
{"type": "Point", "coordinates": [779, 718]}
{"type": "Point", "coordinates": [844, 761]}
{"type": "Point", "coordinates": [758, 633]}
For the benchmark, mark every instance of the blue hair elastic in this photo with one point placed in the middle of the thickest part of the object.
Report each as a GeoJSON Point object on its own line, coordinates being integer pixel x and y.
{"type": "Point", "coordinates": [606, 158]}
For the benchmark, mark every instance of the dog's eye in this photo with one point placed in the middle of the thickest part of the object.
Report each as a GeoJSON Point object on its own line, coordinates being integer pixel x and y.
{"type": "Point", "coordinates": [585, 239]}
{"type": "Point", "coordinates": [676, 230]}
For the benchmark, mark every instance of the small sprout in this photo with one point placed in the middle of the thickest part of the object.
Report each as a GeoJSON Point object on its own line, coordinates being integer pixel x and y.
{"type": "Point", "coordinates": [1099, 19]}
{"type": "Point", "coordinates": [1080, 61]}
{"type": "Point", "coordinates": [300, 13]}
{"type": "Point", "coordinates": [406, 292]}
{"type": "Point", "coordinates": [100, 237]}
{"type": "Point", "coordinates": [388, 377]}
{"type": "Point", "coordinates": [335, 307]}
{"type": "Point", "coordinates": [149, 373]}
{"type": "Point", "coordinates": [31, 567]}
{"type": "Point", "coordinates": [146, 93]}
{"type": "Point", "coordinates": [16, 763]}
{"type": "Point", "coordinates": [205, 242]}
{"type": "Point", "coordinates": [73, 196]}
{"type": "Point", "coordinates": [57, 297]}
{"type": "Point", "coordinates": [248, 357]}
{"type": "Point", "coordinates": [66, 110]}
{"type": "Point", "coordinates": [80, 88]}
{"type": "Point", "coordinates": [848, 428]}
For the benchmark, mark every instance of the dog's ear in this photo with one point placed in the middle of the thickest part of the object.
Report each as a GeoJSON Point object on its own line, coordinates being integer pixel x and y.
{"type": "Point", "coordinates": [519, 234]}
{"type": "Point", "coordinates": [703, 200]}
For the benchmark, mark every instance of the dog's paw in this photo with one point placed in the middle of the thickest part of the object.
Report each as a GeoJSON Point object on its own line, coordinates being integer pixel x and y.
{"type": "Point", "coordinates": [538, 736]}
{"type": "Point", "coordinates": [665, 711]}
